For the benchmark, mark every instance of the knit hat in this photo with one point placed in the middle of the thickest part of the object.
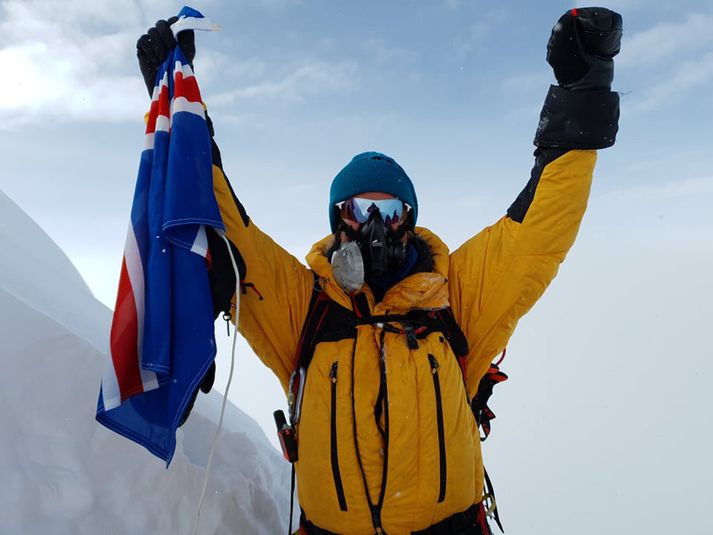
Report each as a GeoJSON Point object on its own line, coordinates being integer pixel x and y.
{"type": "Point", "coordinates": [371, 171]}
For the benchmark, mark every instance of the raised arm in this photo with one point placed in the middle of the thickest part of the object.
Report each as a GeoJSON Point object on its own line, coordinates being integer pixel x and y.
{"type": "Point", "coordinates": [499, 274]}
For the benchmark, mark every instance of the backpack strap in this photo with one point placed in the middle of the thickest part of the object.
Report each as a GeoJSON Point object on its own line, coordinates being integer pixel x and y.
{"type": "Point", "coordinates": [326, 321]}
{"type": "Point", "coordinates": [453, 333]}
{"type": "Point", "coordinates": [316, 312]}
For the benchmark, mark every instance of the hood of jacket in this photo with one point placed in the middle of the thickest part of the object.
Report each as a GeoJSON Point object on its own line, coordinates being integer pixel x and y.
{"type": "Point", "coordinates": [423, 290]}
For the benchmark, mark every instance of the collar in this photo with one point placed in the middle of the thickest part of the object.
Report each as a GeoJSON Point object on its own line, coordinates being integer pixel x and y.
{"type": "Point", "coordinates": [418, 290]}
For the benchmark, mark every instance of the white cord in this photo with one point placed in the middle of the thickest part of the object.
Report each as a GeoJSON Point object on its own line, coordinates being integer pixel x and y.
{"type": "Point", "coordinates": [227, 387]}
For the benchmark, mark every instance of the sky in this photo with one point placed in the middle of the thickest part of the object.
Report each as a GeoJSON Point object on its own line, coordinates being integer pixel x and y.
{"type": "Point", "coordinates": [452, 89]}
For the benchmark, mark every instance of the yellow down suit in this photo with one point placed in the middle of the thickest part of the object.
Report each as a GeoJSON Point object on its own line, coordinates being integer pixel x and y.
{"type": "Point", "coordinates": [351, 455]}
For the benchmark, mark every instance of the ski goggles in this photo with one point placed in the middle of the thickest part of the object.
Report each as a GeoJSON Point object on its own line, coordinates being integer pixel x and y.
{"type": "Point", "coordinates": [359, 209]}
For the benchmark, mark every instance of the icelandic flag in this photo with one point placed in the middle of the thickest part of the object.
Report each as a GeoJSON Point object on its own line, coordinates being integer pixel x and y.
{"type": "Point", "coordinates": [162, 335]}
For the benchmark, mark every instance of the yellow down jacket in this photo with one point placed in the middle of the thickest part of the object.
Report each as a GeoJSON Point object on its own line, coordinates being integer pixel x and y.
{"type": "Point", "coordinates": [417, 473]}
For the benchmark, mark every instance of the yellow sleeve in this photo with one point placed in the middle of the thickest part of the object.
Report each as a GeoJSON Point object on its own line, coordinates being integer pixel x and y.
{"type": "Point", "coordinates": [499, 274]}
{"type": "Point", "coordinates": [276, 286]}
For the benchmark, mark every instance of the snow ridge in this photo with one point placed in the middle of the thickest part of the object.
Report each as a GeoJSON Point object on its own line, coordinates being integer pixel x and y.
{"type": "Point", "coordinates": [63, 473]}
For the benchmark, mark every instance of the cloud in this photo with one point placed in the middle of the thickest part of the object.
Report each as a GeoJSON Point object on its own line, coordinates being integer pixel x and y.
{"type": "Point", "coordinates": [666, 41]}
{"type": "Point", "coordinates": [617, 5]}
{"type": "Point", "coordinates": [666, 61]}
{"type": "Point", "coordinates": [528, 83]}
{"type": "Point", "coordinates": [75, 61]}
{"type": "Point", "coordinates": [696, 187]}
{"type": "Point", "coordinates": [275, 4]}
{"type": "Point", "coordinates": [453, 4]}
{"type": "Point", "coordinates": [381, 53]}
{"type": "Point", "coordinates": [688, 75]}
{"type": "Point", "coordinates": [68, 61]}
{"type": "Point", "coordinates": [477, 31]}
{"type": "Point", "coordinates": [307, 78]}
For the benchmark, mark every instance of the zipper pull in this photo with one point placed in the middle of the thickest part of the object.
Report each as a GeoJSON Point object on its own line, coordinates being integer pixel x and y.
{"type": "Point", "coordinates": [227, 316]}
{"type": "Point", "coordinates": [434, 364]}
{"type": "Point", "coordinates": [333, 372]}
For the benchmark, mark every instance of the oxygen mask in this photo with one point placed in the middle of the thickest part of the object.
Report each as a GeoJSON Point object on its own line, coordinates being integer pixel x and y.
{"type": "Point", "coordinates": [375, 249]}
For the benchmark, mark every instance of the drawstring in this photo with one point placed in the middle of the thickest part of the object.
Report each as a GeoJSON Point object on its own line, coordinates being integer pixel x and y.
{"type": "Point", "coordinates": [227, 387]}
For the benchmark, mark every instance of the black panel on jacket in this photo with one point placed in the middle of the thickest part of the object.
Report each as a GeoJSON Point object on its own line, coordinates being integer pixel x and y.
{"type": "Point", "coordinates": [543, 157]}
{"type": "Point", "coordinates": [221, 274]}
{"type": "Point", "coordinates": [238, 204]}
{"type": "Point", "coordinates": [338, 325]}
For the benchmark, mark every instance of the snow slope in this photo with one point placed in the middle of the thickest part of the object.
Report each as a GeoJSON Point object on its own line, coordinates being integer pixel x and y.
{"type": "Point", "coordinates": [62, 472]}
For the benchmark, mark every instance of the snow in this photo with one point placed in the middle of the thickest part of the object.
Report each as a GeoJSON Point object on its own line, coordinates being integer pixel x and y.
{"type": "Point", "coordinates": [64, 473]}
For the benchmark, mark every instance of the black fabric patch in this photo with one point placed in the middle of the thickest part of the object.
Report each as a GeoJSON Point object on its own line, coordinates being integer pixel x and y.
{"type": "Point", "coordinates": [221, 275]}
{"type": "Point", "coordinates": [452, 331]}
{"type": "Point", "coordinates": [543, 157]}
{"type": "Point", "coordinates": [361, 305]}
{"type": "Point", "coordinates": [241, 209]}
{"type": "Point", "coordinates": [338, 325]}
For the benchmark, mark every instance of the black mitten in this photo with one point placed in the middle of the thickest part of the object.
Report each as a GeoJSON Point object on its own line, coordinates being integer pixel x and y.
{"type": "Point", "coordinates": [582, 47]}
{"type": "Point", "coordinates": [205, 386]}
{"type": "Point", "coordinates": [153, 47]}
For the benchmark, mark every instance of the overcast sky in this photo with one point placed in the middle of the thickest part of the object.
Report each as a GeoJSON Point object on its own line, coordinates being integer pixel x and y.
{"type": "Point", "coordinates": [452, 89]}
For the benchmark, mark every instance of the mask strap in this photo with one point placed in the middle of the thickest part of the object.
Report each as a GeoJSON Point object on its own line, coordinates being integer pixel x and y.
{"type": "Point", "coordinates": [349, 231]}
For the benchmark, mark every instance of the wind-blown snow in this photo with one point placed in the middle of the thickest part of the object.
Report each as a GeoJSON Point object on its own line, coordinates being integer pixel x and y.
{"type": "Point", "coordinates": [64, 473]}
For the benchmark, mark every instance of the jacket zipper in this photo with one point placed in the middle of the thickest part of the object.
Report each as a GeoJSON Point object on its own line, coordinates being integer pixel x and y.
{"type": "Point", "coordinates": [333, 439]}
{"type": "Point", "coordinates": [377, 507]}
{"type": "Point", "coordinates": [441, 430]}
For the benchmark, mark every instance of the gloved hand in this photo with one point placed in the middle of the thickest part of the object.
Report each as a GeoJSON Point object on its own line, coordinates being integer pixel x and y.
{"type": "Point", "coordinates": [153, 47]}
{"type": "Point", "coordinates": [581, 48]}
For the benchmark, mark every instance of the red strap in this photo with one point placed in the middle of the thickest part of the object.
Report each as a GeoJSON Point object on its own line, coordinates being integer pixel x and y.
{"type": "Point", "coordinates": [502, 356]}
{"type": "Point", "coordinates": [574, 12]}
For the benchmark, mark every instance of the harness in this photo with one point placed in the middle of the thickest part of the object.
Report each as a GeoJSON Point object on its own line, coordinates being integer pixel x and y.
{"type": "Point", "coordinates": [327, 321]}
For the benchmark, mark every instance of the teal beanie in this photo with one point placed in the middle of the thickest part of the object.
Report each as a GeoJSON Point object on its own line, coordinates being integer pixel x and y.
{"type": "Point", "coordinates": [371, 171]}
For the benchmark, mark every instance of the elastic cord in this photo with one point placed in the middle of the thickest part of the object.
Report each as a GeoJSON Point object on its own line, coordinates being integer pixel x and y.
{"type": "Point", "coordinates": [227, 387]}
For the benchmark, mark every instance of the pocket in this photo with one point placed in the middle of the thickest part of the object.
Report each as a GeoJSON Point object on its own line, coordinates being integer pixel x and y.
{"type": "Point", "coordinates": [333, 439]}
{"type": "Point", "coordinates": [441, 429]}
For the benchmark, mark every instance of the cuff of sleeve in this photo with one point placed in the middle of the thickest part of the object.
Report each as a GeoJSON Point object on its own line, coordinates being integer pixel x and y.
{"type": "Point", "coordinates": [578, 119]}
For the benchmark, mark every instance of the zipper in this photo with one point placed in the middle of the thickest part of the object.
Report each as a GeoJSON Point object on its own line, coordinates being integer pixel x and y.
{"type": "Point", "coordinates": [333, 440]}
{"type": "Point", "coordinates": [376, 509]}
{"type": "Point", "coordinates": [441, 430]}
